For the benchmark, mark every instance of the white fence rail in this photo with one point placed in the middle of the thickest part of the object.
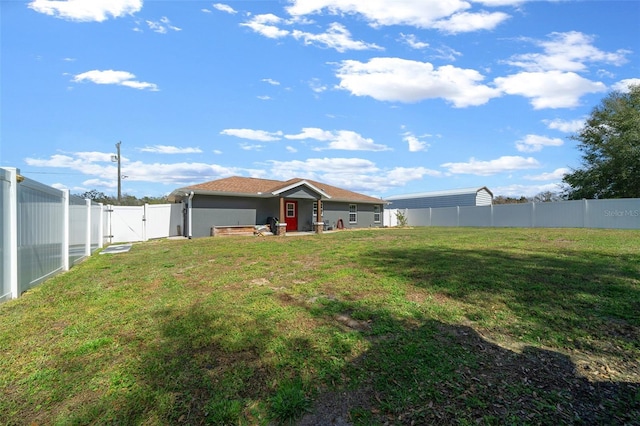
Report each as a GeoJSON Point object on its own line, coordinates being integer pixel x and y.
{"type": "Point", "coordinates": [621, 213]}
{"type": "Point", "coordinates": [44, 230]}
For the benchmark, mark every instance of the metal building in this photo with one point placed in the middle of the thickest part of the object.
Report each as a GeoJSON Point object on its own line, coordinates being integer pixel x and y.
{"type": "Point", "coordinates": [450, 198]}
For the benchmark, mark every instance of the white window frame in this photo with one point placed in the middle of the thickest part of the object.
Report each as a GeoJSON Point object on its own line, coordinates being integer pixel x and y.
{"type": "Point", "coordinates": [290, 212]}
{"type": "Point", "coordinates": [353, 213]}
{"type": "Point", "coordinates": [315, 209]}
{"type": "Point", "coordinates": [376, 214]}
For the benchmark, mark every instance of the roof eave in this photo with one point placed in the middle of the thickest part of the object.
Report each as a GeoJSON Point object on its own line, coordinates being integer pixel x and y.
{"type": "Point", "coordinates": [302, 183]}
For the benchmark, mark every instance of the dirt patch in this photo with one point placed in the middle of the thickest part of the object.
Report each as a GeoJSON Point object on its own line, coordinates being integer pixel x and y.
{"type": "Point", "coordinates": [334, 408]}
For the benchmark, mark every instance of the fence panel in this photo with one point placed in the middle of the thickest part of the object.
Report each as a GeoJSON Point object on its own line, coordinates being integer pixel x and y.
{"type": "Point", "coordinates": [97, 216]}
{"type": "Point", "coordinates": [418, 217]}
{"type": "Point", "coordinates": [445, 216]}
{"type": "Point", "coordinates": [5, 234]}
{"type": "Point", "coordinates": [77, 229]}
{"type": "Point", "coordinates": [125, 223]}
{"type": "Point", "coordinates": [162, 220]}
{"type": "Point", "coordinates": [512, 215]}
{"type": "Point", "coordinates": [476, 216]}
{"type": "Point", "coordinates": [622, 213]}
{"type": "Point", "coordinates": [40, 233]}
{"type": "Point", "coordinates": [565, 214]}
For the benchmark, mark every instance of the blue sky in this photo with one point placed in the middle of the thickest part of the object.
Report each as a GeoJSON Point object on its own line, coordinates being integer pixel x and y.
{"type": "Point", "coordinates": [380, 97]}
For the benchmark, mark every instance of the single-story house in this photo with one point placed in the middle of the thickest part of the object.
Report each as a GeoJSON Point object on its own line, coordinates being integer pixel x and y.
{"type": "Point", "coordinates": [301, 204]}
{"type": "Point", "coordinates": [449, 198]}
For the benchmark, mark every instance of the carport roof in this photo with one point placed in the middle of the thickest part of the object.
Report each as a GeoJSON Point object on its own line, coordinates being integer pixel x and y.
{"type": "Point", "coordinates": [254, 187]}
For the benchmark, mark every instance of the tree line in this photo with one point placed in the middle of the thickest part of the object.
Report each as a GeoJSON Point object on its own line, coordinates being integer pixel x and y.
{"type": "Point", "coordinates": [125, 199]}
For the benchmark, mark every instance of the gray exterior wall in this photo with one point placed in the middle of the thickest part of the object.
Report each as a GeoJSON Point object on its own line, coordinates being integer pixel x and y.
{"type": "Point", "coordinates": [210, 211]}
{"type": "Point", "coordinates": [333, 211]}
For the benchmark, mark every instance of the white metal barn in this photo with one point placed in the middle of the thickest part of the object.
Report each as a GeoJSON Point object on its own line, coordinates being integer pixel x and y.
{"type": "Point", "coordinates": [450, 198]}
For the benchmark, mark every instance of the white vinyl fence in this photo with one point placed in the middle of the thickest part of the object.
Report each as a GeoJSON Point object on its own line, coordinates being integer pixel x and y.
{"type": "Point", "coordinates": [623, 213]}
{"type": "Point", "coordinates": [44, 231]}
{"type": "Point", "coordinates": [142, 223]}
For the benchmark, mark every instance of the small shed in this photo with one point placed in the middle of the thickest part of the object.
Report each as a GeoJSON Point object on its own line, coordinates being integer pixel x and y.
{"type": "Point", "coordinates": [449, 198]}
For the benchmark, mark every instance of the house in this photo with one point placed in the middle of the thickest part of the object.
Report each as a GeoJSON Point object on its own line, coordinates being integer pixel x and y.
{"type": "Point", "coordinates": [450, 198]}
{"type": "Point", "coordinates": [242, 201]}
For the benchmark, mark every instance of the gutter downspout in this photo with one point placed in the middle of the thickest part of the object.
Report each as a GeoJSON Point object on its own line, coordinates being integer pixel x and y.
{"type": "Point", "coordinates": [189, 207]}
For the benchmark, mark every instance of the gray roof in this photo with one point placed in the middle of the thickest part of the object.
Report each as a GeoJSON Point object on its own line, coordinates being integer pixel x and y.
{"type": "Point", "coordinates": [444, 193]}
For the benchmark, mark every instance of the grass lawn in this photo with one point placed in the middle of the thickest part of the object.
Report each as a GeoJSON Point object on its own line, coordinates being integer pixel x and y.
{"type": "Point", "coordinates": [394, 326]}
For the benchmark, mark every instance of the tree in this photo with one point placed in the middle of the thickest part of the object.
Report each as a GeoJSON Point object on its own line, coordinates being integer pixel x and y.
{"type": "Point", "coordinates": [610, 145]}
{"type": "Point", "coordinates": [501, 199]}
{"type": "Point", "coordinates": [547, 197]}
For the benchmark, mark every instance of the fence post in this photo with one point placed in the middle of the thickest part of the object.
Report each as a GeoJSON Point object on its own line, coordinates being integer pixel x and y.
{"type": "Point", "coordinates": [108, 212]}
{"type": "Point", "coordinates": [144, 221]}
{"type": "Point", "coordinates": [66, 200]}
{"type": "Point", "coordinates": [585, 212]}
{"type": "Point", "coordinates": [491, 219]}
{"type": "Point", "coordinates": [87, 240]}
{"type": "Point", "coordinates": [101, 226]}
{"type": "Point", "coordinates": [12, 219]}
{"type": "Point", "coordinates": [533, 214]}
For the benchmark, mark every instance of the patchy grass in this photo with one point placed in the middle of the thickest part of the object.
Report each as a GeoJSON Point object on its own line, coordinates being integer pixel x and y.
{"type": "Point", "coordinates": [396, 326]}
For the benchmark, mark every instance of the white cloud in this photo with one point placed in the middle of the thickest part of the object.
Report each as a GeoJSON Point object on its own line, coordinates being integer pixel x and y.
{"type": "Point", "coordinates": [353, 173]}
{"type": "Point", "coordinates": [396, 79]}
{"type": "Point", "coordinates": [417, 13]}
{"type": "Point", "coordinates": [120, 78]}
{"type": "Point", "coordinates": [557, 174]}
{"type": "Point", "coordinates": [340, 139]}
{"type": "Point", "coordinates": [535, 143]}
{"type": "Point", "coordinates": [255, 135]}
{"type": "Point", "coordinates": [86, 11]}
{"type": "Point", "coordinates": [528, 191]}
{"type": "Point", "coordinates": [271, 81]}
{"type": "Point", "coordinates": [569, 51]}
{"type": "Point", "coordinates": [264, 97]}
{"type": "Point", "coordinates": [623, 85]}
{"type": "Point", "coordinates": [317, 86]}
{"type": "Point", "coordinates": [266, 25]}
{"type": "Point", "coordinates": [565, 126]}
{"type": "Point", "coordinates": [491, 167]}
{"type": "Point", "coordinates": [465, 22]}
{"type": "Point", "coordinates": [415, 144]}
{"type": "Point", "coordinates": [167, 149]}
{"type": "Point", "coordinates": [336, 37]}
{"type": "Point", "coordinates": [412, 41]}
{"type": "Point", "coordinates": [549, 89]}
{"type": "Point", "coordinates": [162, 26]}
{"type": "Point", "coordinates": [493, 3]}
{"type": "Point", "coordinates": [224, 8]}
{"type": "Point", "coordinates": [291, 149]}
{"type": "Point", "coordinates": [251, 147]}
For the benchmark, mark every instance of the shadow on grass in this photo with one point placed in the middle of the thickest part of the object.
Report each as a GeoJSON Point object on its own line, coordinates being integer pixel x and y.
{"type": "Point", "coordinates": [209, 365]}
{"type": "Point", "coordinates": [202, 371]}
{"type": "Point", "coordinates": [565, 299]}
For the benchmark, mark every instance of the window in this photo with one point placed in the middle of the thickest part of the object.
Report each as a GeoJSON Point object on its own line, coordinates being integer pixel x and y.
{"type": "Point", "coordinates": [291, 210]}
{"type": "Point", "coordinates": [376, 214]}
{"type": "Point", "coordinates": [315, 209]}
{"type": "Point", "coordinates": [353, 213]}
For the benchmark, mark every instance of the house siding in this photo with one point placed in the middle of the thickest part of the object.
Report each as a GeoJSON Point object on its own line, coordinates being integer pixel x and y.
{"type": "Point", "coordinates": [333, 211]}
{"type": "Point", "coordinates": [210, 211]}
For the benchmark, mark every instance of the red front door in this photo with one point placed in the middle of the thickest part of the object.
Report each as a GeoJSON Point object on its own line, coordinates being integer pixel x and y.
{"type": "Point", "coordinates": [291, 215]}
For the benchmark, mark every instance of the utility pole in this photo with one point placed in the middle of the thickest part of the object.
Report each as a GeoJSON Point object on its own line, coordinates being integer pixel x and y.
{"type": "Point", "coordinates": [117, 158]}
